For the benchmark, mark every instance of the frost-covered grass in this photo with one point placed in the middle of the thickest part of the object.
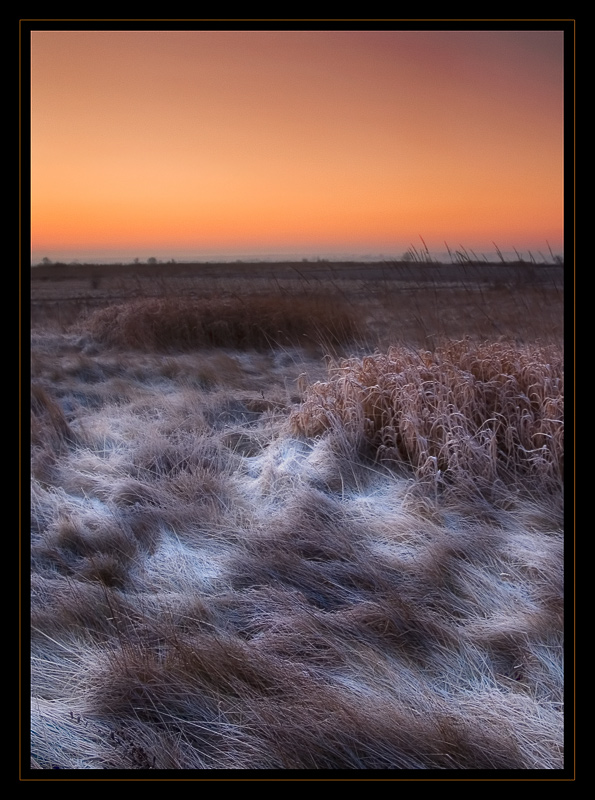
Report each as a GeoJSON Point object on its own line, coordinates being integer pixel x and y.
{"type": "Point", "coordinates": [247, 555]}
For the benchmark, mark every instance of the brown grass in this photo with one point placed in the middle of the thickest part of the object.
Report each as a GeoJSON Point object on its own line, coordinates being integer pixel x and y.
{"type": "Point", "coordinates": [468, 410]}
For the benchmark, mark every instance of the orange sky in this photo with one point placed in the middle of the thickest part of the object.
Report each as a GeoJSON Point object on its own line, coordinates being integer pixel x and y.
{"type": "Point", "coordinates": [201, 143]}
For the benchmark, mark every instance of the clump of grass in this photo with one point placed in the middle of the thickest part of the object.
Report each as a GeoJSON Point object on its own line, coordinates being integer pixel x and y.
{"type": "Point", "coordinates": [478, 411]}
{"type": "Point", "coordinates": [51, 433]}
{"type": "Point", "coordinates": [256, 322]}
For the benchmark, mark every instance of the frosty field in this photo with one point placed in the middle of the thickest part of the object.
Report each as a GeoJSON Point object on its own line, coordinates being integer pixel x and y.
{"type": "Point", "coordinates": [297, 517]}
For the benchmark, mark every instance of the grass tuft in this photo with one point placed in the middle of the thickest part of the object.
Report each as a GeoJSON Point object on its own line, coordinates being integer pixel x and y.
{"type": "Point", "coordinates": [465, 411]}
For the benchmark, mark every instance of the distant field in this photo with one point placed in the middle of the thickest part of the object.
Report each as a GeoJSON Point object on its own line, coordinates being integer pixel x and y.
{"type": "Point", "coordinates": [128, 275]}
{"type": "Point", "coordinates": [414, 300]}
{"type": "Point", "coordinates": [297, 517]}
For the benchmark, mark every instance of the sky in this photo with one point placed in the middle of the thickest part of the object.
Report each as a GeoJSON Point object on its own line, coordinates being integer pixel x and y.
{"type": "Point", "coordinates": [220, 144]}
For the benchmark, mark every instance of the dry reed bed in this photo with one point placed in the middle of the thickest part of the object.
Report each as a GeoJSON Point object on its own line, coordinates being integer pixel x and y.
{"type": "Point", "coordinates": [235, 322]}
